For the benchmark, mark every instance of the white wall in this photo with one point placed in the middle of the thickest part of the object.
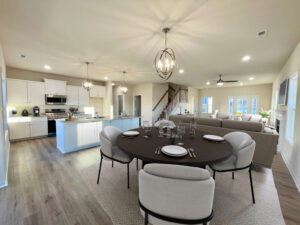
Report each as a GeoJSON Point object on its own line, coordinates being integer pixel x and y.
{"type": "Point", "coordinates": [4, 143]}
{"type": "Point", "coordinates": [193, 101]}
{"type": "Point", "coordinates": [290, 152]}
{"type": "Point", "coordinates": [145, 90]}
{"type": "Point", "coordinates": [221, 94]}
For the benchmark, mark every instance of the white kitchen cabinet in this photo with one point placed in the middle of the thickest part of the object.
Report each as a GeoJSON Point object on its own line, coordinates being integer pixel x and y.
{"type": "Point", "coordinates": [38, 129]}
{"type": "Point", "coordinates": [27, 127]}
{"type": "Point", "coordinates": [72, 95]}
{"type": "Point", "coordinates": [35, 93]}
{"type": "Point", "coordinates": [16, 91]}
{"type": "Point", "coordinates": [97, 91]}
{"type": "Point", "coordinates": [83, 97]}
{"type": "Point", "coordinates": [88, 133]}
{"type": "Point", "coordinates": [19, 130]}
{"type": "Point", "coordinates": [55, 87]}
{"type": "Point", "coordinates": [25, 92]}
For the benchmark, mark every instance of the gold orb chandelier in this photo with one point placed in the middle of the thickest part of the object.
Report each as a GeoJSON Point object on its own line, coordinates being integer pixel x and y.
{"type": "Point", "coordinates": [87, 84]}
{"type": "Point", "coordinates": [123, 88]}
{"type": "Point", "coordinates": [165, 60]}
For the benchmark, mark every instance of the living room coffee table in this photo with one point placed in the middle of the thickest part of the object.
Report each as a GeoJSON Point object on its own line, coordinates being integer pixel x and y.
{"type": "Point", "coordinates": [207, 152]}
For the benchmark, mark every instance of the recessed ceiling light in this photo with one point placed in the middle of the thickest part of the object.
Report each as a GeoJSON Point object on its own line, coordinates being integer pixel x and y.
{"type": "Point", "coordinates": [181, 71]}
{"type": "Point", "coordinates": [246, 58]}
{"type": "Point", "coordinates": [207, 83]}
{"type": "Point", "coordinates": [113, 84]}
{"type": "Point", "coordinates": [105, 78]}
{"type": "Point", "coordinates": [251, 78]}
{"type": "Point", "coordinates": [47, 67]}
{"type": "Point", "coordinates": [241, 84]}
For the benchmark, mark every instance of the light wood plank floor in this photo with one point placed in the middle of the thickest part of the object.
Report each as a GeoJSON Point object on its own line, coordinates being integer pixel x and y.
{"type": "Point", "coordinates": [45, 187]}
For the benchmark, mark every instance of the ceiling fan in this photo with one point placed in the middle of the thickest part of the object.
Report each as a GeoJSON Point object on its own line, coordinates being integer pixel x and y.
{"type": "Point", "coordinates": [220, 82]}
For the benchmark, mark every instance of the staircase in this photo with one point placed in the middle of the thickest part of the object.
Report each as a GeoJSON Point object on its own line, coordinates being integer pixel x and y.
{"type": "Point", "coordinates": [174, 104]}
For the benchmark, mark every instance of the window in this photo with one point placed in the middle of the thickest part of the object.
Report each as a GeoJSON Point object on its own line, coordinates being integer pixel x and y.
{"type": "Point", "coordinates": [231, 105]}
{"type": "Point", "coordinates": [254, 106]}
{"type": "Point", "coordinates": [291, 109]}
{"type": "Point", "coordinates": [207, 104]}
{"type": "Point", "coordinates": [241, 106]}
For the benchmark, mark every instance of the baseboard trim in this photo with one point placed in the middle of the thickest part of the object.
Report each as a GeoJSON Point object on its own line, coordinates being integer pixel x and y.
{"type": "Point", "coordinates": [4, 185]}
{"type": "Point", "coordinates": [291, 172]}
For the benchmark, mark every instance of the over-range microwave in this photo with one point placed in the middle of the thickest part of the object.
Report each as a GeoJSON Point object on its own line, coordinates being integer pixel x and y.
{"type": "Point", "coordinates": [55, 99]}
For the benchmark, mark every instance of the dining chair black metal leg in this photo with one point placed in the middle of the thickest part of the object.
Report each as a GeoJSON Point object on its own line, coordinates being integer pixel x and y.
{"type": "Point", "coordinates": [99, 169]}
{"type": "Point", "coordinates": [214, 174]}
{"type": "Point", "coordinates": [232, 175]}
{"type": "Point", "coordinates": [128, 175]}
{"type": "Point", "coordinates": [112, 163]}
{"type": "Point", "coordinates": [146, 219]}
{"type": "Point", "coordinates": [251, 184]}
{"type": "Point", "coordinates": [137, 164]}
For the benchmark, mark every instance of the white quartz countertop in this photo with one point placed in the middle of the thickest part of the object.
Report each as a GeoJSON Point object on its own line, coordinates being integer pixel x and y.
{"type": "Point", "coordinates": [23, 119]}
{"type": "Point", "coordinates": [90, 120]}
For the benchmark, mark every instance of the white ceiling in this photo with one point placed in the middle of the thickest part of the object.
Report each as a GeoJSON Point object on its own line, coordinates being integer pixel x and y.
{"type": "Point", "coordinates": [208, 37]}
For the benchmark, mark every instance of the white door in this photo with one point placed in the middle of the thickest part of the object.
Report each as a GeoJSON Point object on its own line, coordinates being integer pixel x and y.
{"type": "Point", "coordinates": [36, 93]}
{"type": "Point", "coordinates": [38, 129]}
{"type": "Point", "coordinates": [83, 97]}
{"type": "Point", "coordinates": [72, 95]}
{"type": "Point", "coordinates": [18, 131]}
{"type": "Point", "coordinates": [16, 91]}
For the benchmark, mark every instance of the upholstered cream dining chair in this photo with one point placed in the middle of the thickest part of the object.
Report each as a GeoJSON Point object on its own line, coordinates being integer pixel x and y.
{"type": "Point", "coordinates": [173, 194]}
{"type": "Point", "coordinates": [243, 151]}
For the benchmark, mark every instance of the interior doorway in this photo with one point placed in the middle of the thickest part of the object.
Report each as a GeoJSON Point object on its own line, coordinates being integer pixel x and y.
{"type": "Point", "coordinates": [138, 106]}
{"type": "Point", "coordinates": [120, 104]}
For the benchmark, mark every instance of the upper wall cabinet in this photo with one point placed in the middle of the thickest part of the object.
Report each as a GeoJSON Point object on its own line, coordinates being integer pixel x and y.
{"type": "Point", "coordinates": [72, 95]}
{"type": "Point", "coordinates": [55, 87]}
{"type": "Point", "coordinates": [36, 93]}
{"type": "Point", "coordinates": [83, 98]}
{"type": "Point", "coordinates": [97, 91]}
{"type": "Point", "coordinates": [16, 91]}
{"type": "Point", "coordinates": [25, 92]}
{"type": "Point", "coordinates": [77, 96]}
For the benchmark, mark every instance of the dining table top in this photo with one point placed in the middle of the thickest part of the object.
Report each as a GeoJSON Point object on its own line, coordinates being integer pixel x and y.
{"type": "Point", "coordinates": [206, 152]}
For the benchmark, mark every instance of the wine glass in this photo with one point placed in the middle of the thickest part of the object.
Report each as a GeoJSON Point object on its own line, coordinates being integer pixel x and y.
{"type": "Point", "coordinates": [147, 128]}
{"type": "Point", "coordinates": [181, 132]}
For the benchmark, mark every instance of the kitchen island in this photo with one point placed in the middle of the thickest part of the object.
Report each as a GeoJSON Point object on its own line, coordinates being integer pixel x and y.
{"type": "Point", "coordinates": [84, 132]}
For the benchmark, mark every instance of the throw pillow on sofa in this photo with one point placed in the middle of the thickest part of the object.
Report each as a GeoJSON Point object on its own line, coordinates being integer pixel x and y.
{"type": "Point", "coordinates": [255, 118]}
{"type": "Point", "coordinates": [246, 117]}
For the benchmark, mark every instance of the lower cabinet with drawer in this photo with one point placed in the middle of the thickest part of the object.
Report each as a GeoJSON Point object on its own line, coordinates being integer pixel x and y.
{"type": "Point", "coordinates": [35, 127]}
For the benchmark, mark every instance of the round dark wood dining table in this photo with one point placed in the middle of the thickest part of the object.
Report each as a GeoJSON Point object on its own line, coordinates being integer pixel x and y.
{"type": "Point", "coordinates": [207, 152]}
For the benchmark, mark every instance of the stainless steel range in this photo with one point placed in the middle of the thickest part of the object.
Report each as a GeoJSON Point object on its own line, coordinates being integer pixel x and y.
{"type": "Point", "coordinates": [52, 115]}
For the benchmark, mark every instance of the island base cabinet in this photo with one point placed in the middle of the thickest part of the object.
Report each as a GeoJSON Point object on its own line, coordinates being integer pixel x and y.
{"type": "Point", "coordinates": [88, 133]}
{"type": "Point", "coordinates": [72, 136]}
{"type": "Point", "coordinates": [123, 124]}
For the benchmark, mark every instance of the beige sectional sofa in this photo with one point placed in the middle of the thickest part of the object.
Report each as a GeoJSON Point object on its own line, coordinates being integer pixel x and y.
{"type": "Point", "coordinates": [266, 142]}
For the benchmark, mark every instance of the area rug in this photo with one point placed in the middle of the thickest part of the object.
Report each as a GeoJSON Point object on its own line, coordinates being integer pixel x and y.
{"type": "Point", "coordinates": [232, 202]}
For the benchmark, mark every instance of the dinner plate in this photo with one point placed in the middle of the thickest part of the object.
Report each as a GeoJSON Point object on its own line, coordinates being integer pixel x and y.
{"type": "Point", "coordinates": [131, 133]}
{"type": "Point", "coordinates": [213, 137]}
{"type": "Point", "coordinates": [174, 150]}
